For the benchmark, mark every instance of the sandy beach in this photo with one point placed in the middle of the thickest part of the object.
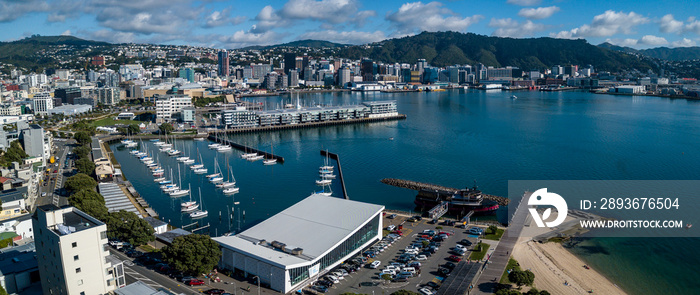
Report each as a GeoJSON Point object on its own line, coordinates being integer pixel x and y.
{"type": "Point", "coordinates": [553, 265]}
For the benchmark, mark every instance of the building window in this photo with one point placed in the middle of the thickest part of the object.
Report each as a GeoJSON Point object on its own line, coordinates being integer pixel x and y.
{"type": "Point", "coordinates": [103, 235]}
{"type": "Point", "coordinates": [82, 293]}
{"type": "Point", "coordinates": [75, 258]}
{"type": "Point", "coordinates": [77, 270]}
{"type": "Point", "coordinates": [75, 244]}
{"type": "Point", "coordinates": [80, 282]}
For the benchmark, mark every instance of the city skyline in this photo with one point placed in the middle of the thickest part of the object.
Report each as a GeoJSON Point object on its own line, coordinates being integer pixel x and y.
{"type": "Point", "coordinates": [235, 24]}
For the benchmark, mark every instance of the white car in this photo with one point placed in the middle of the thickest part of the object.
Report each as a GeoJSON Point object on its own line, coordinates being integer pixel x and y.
{"type": "Point", "coordinates": [460, 247]}
{"type": "Point", "coordinates": [426, 291]}
{"type": "Point", "coordinates": [375, 264]}
{"type": "Point", "coordinates": [391, 227]}
{"type": "Point", "coordinates": [333, 279]}
{"type": "Point", "coordinates": [421, 257]}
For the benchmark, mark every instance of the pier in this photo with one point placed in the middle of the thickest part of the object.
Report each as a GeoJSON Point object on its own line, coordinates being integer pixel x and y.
{"type": "Point", "coordinates": [340, 171]}
{"type": "Point", "coordinates": [255, 129]}
{"type": "Point", "coordinates": [419, 186]}
{"type": "Point", "coordinates": [246, 149]}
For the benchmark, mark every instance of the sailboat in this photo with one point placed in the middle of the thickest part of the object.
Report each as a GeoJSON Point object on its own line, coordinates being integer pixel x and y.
{"type": "Point", "coordinates": [323, 181]}
{"type": "Point", "coordinates": [231, 190]}
{"type": "Point", "coordinates": [231, 181]}
{"type": "Point", "coordinates": [189, 206]}
{"type": "Point", "coordinates": [199, 213]}
{"type": "Point", "coordinates": [217, 175]}
{"type": "Point", "coordinates": [270, 161]}
{"type": "Point", "coordinates": [195, 167]}
{"type": "Point", "coordinates": [327, 167]}
{"type": "Point", "coordinates": [214, 145]}
{"type": "Point", "coordinates": [179, 192]}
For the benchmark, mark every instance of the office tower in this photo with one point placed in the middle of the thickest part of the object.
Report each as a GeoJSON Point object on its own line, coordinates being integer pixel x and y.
{"type": "Point", "coordinates": [223, 63]}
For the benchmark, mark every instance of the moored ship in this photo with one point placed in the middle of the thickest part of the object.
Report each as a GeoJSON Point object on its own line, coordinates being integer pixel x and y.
{"type": "Point", "coordinates": [460, 201]}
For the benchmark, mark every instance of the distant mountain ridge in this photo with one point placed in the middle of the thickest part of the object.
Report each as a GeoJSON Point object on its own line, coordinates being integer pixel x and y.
{"type": "Point", "coordinates": [665, 53]}
{"type": "Point", "coordinates": [450, 48]}
{"type": "Point", "coordinates": [299, 43]}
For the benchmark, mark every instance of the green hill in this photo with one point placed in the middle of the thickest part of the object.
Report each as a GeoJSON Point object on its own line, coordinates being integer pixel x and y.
{"type": "Point", "coordinates": [38, 52]}
{"type": "Point", "coordinates": [449, 48]}
{"type": "Point", "coordinates": [665, 53]}
{"type": "Point", "coordinates": [299, 43]}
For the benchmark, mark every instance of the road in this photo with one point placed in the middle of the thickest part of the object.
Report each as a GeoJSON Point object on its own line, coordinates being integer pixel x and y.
{"type": "Point", "coordinates": [51, 182]}
{"type": "Point", "coordinates": [134, 272]}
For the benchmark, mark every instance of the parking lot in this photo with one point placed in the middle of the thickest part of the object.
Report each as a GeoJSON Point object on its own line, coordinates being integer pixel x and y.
{"type": "Point", "coordinates": [429, 270]}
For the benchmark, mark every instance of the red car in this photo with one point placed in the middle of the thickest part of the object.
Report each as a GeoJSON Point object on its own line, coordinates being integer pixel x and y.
{"type": "Point", "coordinates": [454, 258]}
{"type": "Point", "coordinates": [195, 282]}
{"type": "Point", "coordinates": [443, 233]}
{"type": "Point", "coordinates": [398, 232]}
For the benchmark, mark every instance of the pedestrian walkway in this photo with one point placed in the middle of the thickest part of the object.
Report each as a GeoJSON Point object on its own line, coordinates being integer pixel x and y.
{"type": "Point", "coordinates": [115, 199]}
{"type": "Point", "coordinates": [500, 256]}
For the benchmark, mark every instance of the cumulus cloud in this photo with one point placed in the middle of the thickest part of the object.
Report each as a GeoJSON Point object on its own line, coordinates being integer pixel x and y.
{"type": "Point", "coordinates": [525, 2]}
{"type": "Point", "coordinates": [507, 27]}
{"type": "Point", "coordinates": [362, 16]}
{"type": "Point", "coordinates": [12, 10]}
{"type": "Point", "coordinates": [267, 19]}
{"type": "Point", "coordinates": [693, 26]}
{"type": "Point", "coordinates": [242, 39]}
{"type": "Point", "coordinates": [350, 37]}
{"type": "Point", "coordinates": [109, 36]}
{"type": "Point", "coordinates": [538, 13]}
{"type": "Point", "coordinates": [66, 33]}
{"type": "Point", "coordinates": [145, 16]}
{"type": "Point", "coordinates": [685, 42]}
{"type": "Point", "coordinates": [223, 17]}
{"type": "Point", "coordinates": [653, 40]}
{"type": "Point", "coordinates": [333, 11]}
{"type": "Point", "coordinates": [670, 25]}
{"type": "Point", "coordinates": [604, 25]}
{"type": "Point", "coordinates": [416, 16]}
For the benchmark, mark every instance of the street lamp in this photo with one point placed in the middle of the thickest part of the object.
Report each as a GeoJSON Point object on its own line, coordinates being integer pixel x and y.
{"type": "Point", "coordinates": [257, 277]}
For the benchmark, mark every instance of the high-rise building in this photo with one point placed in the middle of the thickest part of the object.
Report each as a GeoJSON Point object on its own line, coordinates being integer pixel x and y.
{"type": "Point", "coordinates": [421, 65]}
{"type": "Point", "coordinates": [343, 76]}
{"type": "Point", "coordinates": [367, 69]}
{"type": "Point", "coordinates": [108, 95]}
{"type": "Point", "coordinates": [187, 74]}
{"type": "Point", "coordinates": [290, 62]}
{"type": "Point", "coordinates": [223, 63]}
{"type": "Point", "coordinates": [72, 252]}
{"type": "Point", "coordinates": [33, 140]}
{"type": "Point", "coordinates": [293, 78]}
{"type": "Point", "coordinates": [67, 94]}
{"type": "Point", "coordinates": [167, 107]}
{"type": "Point", "coordinates": [42, 103]}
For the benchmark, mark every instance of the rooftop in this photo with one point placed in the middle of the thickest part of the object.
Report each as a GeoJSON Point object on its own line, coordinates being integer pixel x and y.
{"type": "Point", "coordinates": [154, 222]}
{"type": "Point", "coordinates": [315, 224]}
{"type": "Point", "coordinates": [13, 262]}
{"type": "Point", "coordinates": [169, 237]}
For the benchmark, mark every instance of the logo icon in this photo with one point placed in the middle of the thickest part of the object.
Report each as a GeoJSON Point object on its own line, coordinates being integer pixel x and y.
{"type": "Point", "coordinates": [542, 197]}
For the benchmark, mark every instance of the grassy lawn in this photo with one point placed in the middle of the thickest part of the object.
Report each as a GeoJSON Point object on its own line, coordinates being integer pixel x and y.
{"type": "Point", "coordinates": [148, 248]}
{"type": "Point", "coordinates": [512, 264]}
{"type": "Point", "coordinates": [478, 255]}
{"type": "Point", "coordinates": [494, 236]}
{"type": "Point", "coordinates": [109, 121]}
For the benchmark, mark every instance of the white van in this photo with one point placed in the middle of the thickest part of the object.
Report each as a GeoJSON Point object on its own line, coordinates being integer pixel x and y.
{"type": "Point", "coordinates": [375, 264]}
{"type": "Point", "coordinates": [388, 271]}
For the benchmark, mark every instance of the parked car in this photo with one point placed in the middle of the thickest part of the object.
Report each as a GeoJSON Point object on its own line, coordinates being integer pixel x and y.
{"type": "Point", "coordinates": [215, 291]}
{"type": "Point", "coordinates": [319, 288]}
{"type": "Point", "coordinates": [426, 291]}
{"type": "Point", "coordinates": [392, 216]}
{"type": "Point", "coordinates": [375, 264]}
{"type": "Point", "coordinates": [195, 282]}
{"type": "Point", "coordinates": [476, 231]}
{"type": "Point", "coordinates": [433, 285]}
{"type": "Point", "coordinates": [434, 221]}
{"type": "Point", "coordinates": [455, 258]}
{"type": "Point", "coordinates": [449, 265]}
{"type": "Point", "coordinates": [465, 242]}
{"type": "Point", "coordinates": [391, 227]}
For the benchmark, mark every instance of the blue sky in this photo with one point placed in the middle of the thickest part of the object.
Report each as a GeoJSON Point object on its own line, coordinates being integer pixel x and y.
{"type": "Point", "coordinates": [234, 24]}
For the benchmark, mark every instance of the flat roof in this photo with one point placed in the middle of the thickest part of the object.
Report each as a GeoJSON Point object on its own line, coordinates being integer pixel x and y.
{"type": "Point", "coordinates": [315, 224]}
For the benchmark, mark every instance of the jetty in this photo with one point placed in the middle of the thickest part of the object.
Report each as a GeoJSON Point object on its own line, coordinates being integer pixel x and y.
{"type": "Point", "coordinates": [254, 129]}
{"type": "Point", "coordinates": [419, 186]}
{"type": "Point", "coordinates": [340, 171]}
{"type": "Point", "coordinates": [246, 148]}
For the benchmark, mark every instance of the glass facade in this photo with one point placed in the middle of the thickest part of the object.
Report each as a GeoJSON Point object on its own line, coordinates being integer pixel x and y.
{"type": "Point", "coordinates": [359, 238]}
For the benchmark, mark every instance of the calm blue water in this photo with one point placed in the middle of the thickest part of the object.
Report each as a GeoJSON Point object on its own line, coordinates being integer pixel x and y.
{"type": "Point", "coordinates": [455, 137]}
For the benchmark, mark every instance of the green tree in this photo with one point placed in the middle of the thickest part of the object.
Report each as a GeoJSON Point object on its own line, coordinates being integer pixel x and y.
{"type": "Point", "coordinates": [521, 277]}
{"type": "Point", "coordinates": [82, 137]}
{"type": "Point", "coordinates": [386, 277]}
{"type": "Point", "coordinates": [404, 292]}
{"type": "Point", "coordinates": [133, 129]}
{"type": "Point", "coordinates": [166, 128]}
{"type": "Point", "coordinates": [80, 182]}
{"type": "Point", "coordinates": [507, 292]}
{"type": "Point", "coordinates": [2, 291]}
{"type": "Point", "coordinates": [128, 227]}
{"type": "Point", "coordinates": [493, 229]}
{"type": "Point", "coordinates": [90, 202]}
{"type": "Point", "coordinates": [14, 153]}
{"type": "Point", "coordinates": [86, 166]}
{"type": "Point", "coordinates": [193, 253]}
{"type": "Point", "coordinates": [62, 134]}
{"type": "Point", "coordinates": [82, 151]}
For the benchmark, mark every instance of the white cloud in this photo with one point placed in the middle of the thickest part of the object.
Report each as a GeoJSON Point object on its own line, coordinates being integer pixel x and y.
{"type": "Point", "coordinates": [362, 16]}
{"type": "Point", "coordinates": [623, 42]}
{"type": "Point", "coordinates": [693, 26]}
{"type": "Point", "coordinates": [223, 17]}
{"type": "Point", "coordinates": [109, 36]}
{"type": "Point", "coordinates": [652, 40]}
{"type": "Point", "coordinates": [146, 16]}
{"type": "Point", "coordinates": [607, 24]}
{"type": "Point", "coordinates": [538, 13]}
{"type": "Point", "coordinates": [66, 33]}
{"type": "Point", "coordinates": [416, 16]}
{"type": "Point", "coordinates": [350, 37]}
{"type": "Point", "coordinates": [525, 2]}
{"type": "Point", "coordinates": [333, 11]}
{"type": "Point", "coordinates": [508, 27]}
{"type": "Point", "coordinates": [669, 25]}
{"type": "Point", "coordinates": [12, 10]}
{"type": "Point", "coordinates": [243, 39]}
{"type": "Point", "coordinates": [685, 42]}
{"type": "Point", "coordinates": [267, 19]}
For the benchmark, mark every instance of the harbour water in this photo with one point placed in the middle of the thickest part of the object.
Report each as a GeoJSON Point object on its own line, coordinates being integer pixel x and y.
{"type": "Point", "coordinates": [454, 138]}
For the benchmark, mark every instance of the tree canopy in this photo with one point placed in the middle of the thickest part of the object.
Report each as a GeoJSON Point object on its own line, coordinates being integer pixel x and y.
{"type": "Point", "coordinates": [127, 226]}
{"type": "Point", "coordinates": [193, 253]}
{"type": "Point", "coordinates": [80, 182]}
{"type": "Point", "coordinates": [166, 128]}
{"type": "Point", "coordinates": [520, 277]}
{"type": "Point", "coordinates": [82, 151]}
{"type": "Point", "coordinates": [90, 202]}
{"type": "Point", "coordinates": [14, 153]}
{"type": "Point", "coordinates": [404, 292]}
{"type": "Point", "coordinates": [86, 166]}
{"type": "Point", "coordinates": [82, 137]}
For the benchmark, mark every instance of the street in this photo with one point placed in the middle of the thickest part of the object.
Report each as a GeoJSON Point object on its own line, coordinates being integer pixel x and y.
{"type": "Point", "coordinates": [50, 181]}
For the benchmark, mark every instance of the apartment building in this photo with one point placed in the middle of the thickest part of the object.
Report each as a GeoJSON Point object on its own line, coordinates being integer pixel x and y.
{"type": "Point", "coordinates": [42, 103]}
{"type": "Point", "coordinates": [72, 252]}
{"type": "Point", "coordinates": [168, 107]}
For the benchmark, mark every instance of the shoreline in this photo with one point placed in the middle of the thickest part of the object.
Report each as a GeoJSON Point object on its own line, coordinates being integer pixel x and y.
{"type": "Point", "coordinates": [554, 265]}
